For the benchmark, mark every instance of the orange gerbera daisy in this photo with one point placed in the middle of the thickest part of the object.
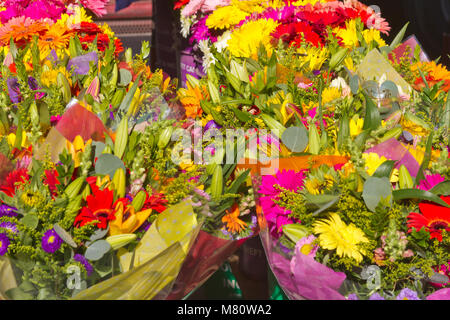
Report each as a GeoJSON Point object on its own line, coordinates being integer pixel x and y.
{"type": "Point", "coordinates": [233, 223]}
{"type": "Point", "coordinates": [21, 30]}
{"type": "Point", "coordinates": [56, 38]}
{"type": "Point", "coordinates": [434, 73]}
{"type": "Point", "coordinates": [190, 98]}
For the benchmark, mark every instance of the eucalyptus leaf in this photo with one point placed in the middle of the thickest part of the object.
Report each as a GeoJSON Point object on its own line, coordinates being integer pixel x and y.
{"type": "Point", "coordinates": [18, 294]}
{"type": "Point", "coordinates": [390, 87]}
{"type": "Point", "coordinates": [125, 77]}
{"type": "Point", "coordinates": [439, 278]}
{"type": "Point", "coordinates": [374, 190]}
{"type": "Point", "coordinates": [64, 235]}
{"type": "Point", "coordinates": [354, 84]}
{"type": "Point", "coordinates": [97, 250]}
{"type": "Point", "coordinates": [30, 220]}
{"type": "Point", "coordinates": [295, 138]}
{"type": "Point", "coordinates": [107, 164]}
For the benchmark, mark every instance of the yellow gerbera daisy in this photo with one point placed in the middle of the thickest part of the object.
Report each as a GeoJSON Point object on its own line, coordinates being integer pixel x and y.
{"type": "Point", "coordinates": [334, 234]}
{"type": "Point", "coordinates": [373, 161]}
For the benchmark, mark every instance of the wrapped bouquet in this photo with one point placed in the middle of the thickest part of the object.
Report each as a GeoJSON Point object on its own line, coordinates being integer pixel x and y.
{"type": "Point", "coordinates": [350, 163]}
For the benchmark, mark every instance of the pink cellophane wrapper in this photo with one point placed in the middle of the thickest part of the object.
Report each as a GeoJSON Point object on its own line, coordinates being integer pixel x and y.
{"type": "Point", "coordinates": [443, 294]}
{"type": "Point", "coordinates": [304, 278]}
{"type": "Point", "coordinates": [77, 120]}
{"type": "Point", "coordinates": [392, 149]}
{"type": "Point", "coordinates": [205, 257]}
{"type": "Point", "coordinates": [412, 43]}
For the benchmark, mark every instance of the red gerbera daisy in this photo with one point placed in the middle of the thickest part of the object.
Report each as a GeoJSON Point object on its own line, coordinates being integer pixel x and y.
{"type": "Point", "coordinates": [99, 208]}
{"type": "Point", "coordinates": [156, 202]}
{"type": "Point", "coordinates": [51, 180]}
{"type": "Point", "coordinates": [16, 176]}
{"type": "Point", "coordinates": [434, 219]}
{"type": "Point", "coordinates": [180, 3]}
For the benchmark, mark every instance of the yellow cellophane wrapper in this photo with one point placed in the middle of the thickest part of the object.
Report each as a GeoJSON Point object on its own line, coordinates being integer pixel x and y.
{"type": "Point", "coordinates": [375, 65]}
{"type": "Point", "coordinates": [7, 278]}
{"type": "Point", "coordinates": [156, 261]}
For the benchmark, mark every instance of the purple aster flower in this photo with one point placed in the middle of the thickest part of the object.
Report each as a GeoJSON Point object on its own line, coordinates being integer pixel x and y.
{"type": "Point", "coordinates": [13, 90]}
{"type": "Point", "coordinates": [352, 296]}
{"type": "Point", "coordinates": [376, 296]}
{"type": "Point", "coordinates": [81, 259]}
{"type": "Point", "coordinates": [9, 226]}
{"type": "Point", "coordinates": [407, 294]}
{"type": "Point", "coordinates": [51, 241]}
{"type": "Point", "coordinates": [4, 244]}
{"type": "Point", "coordinates": [7, 211]}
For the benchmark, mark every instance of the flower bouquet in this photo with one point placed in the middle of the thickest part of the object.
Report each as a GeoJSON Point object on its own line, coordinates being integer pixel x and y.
{"type": "Point", "coordinates": [360, 142]}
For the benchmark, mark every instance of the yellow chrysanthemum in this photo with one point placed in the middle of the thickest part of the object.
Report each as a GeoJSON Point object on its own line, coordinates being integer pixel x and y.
{"type": "Point", "coordinates": [246, 40]}
{"type": "Point", "coordinates": [330, 94]}
{"type": "Point", "coordinates": [313, 57]}
{"type": "Point", "coordinates": [373, 35]}
{"type": "Point", "coordinates": [225, 17]}
{"type": "Point", "coordinates": [305, 2]}
{"type": "Point", "coordinates": [49, 75]}
{"type": "Point", "coordinates": [334, 234]}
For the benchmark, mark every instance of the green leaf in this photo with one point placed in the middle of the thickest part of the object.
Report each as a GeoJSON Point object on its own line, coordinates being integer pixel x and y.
{"type": "Point", "coordinates": [107, 164]}
{"type": "Point", "coordinates": [372, 119]}
{"type": "Point", "coordinates": [320, 199]}
{"type": "Point", "coordinates": [399, 37]}
{"type": "Point", "coordinates": [426, 160]}
{"type": "Point", "coordinates": [125, 77]}
{"type": "Point", "coordinates": [374, 190]}
{"type": "Point", "coordinates": [385, 169]}
{"type": "Point", "coordinates": [121, 138]}
{"type": "Point", "coordinates": [418, 194]}
{"type": "Point", "coordinates": [237, 182]}
{"type": "Point", "coordinates": [442, 189]}
{"type": "Point", "coordinates": [97, 250]}
{"type": "Point", "coordinates": [30, 220]}
{"type": "Point", "coordinates": [295, 232]}
{"type": "Point", "coordinates": [295, 138]}
{"type": "Point", "coordinates": [126, 102]}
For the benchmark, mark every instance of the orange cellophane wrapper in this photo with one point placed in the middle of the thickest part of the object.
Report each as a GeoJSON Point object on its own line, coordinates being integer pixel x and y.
{"type": "Point", "coordinates": [292, 163]}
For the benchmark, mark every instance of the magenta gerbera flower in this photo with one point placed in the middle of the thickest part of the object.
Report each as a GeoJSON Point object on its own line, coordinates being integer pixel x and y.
{"type": "Point", "coordinates": [431, 181]}
{"type": "Point", "coordinates": [271, 189]}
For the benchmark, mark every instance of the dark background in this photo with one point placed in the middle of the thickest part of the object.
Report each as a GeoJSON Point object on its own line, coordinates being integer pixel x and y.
{"type": "Point", "coordinates": [429, 21]}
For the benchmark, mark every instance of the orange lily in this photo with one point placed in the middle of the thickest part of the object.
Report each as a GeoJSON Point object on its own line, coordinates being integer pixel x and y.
{"type": "Point", "coordinates": [127, 220]}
